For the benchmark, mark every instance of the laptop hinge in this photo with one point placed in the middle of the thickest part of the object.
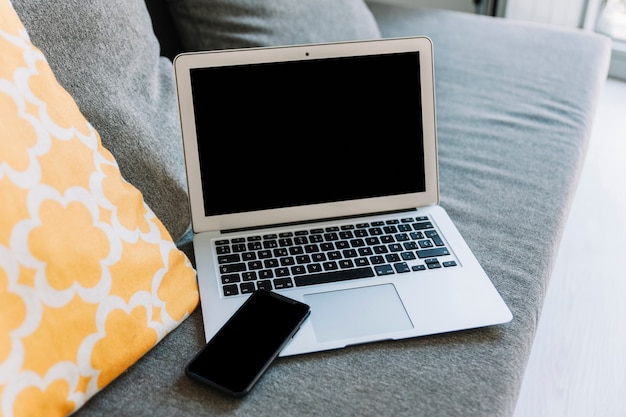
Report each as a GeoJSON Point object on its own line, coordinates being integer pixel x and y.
{"type": "Point", "coordinates": [311, 222]}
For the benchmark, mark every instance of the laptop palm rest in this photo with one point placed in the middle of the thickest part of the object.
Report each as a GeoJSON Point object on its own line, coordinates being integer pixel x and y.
{"type": "Point", "coordinates": [358, 312]}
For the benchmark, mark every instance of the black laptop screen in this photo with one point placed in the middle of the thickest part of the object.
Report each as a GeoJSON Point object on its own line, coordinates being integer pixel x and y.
{"type": "Point", "coordinates": [306, 132]}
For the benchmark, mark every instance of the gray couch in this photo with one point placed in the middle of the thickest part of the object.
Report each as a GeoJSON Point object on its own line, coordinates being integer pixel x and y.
{"type": "Point", "coordinates": [515, 103]}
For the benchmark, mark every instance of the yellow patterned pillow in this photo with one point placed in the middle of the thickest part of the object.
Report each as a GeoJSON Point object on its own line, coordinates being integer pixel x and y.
{"type": "Point", "coordinates": [90, 280]}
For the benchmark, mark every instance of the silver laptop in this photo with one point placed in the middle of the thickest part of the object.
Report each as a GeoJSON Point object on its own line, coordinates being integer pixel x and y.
{"type": "Point", "coordinates": [312, 172]}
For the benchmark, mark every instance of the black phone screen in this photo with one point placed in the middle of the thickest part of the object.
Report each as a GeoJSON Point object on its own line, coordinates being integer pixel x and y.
{"type": "Point", "coordinates": [236, 357]}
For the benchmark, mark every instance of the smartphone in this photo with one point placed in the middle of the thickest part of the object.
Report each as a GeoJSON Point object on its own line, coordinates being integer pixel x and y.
{"type": "Point", "coordinates": [242, 350]}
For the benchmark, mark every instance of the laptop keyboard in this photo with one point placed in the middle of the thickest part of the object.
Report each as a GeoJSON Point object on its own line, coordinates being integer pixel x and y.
{"type": "Point", "coordinates": [323, 255]}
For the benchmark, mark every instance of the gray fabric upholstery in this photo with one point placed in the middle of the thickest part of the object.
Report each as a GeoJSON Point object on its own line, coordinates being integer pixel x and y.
{"type": "Point", "coordinates": [106, 56]}
{"type": "Point", "coordinates": [515, 104]}
{"type": "Point", "coordinates": [222, 24]}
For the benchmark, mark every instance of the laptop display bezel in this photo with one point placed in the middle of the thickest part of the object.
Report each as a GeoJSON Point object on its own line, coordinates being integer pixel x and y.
{"type": "Point", "coordinates": [183, 65]}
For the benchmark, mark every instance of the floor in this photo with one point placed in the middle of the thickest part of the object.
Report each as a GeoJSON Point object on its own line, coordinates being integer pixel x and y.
{"type": "Point", "coordinates": [578, 363]}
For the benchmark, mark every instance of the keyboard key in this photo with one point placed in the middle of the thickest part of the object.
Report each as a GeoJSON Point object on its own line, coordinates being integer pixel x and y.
{"type": "Point", "coordinates": [357, 243]}
{"type": "Point", "coordinates": [231, 268]}
{"type": "Point", "coordinates": [432, 263]}
{"type": "Point", "coordinates": [298, 270]}
{"type": "Point", "coordinates": [249, 276]}
{"type": "Point", "coordinates": [402, 237]}
{"type": "Point", "coordinates": [311, 248]}
{"type": "Point", "coordinates": [422, 226]}
{"type": "Point", "coordinates": [270, 244]}
{"type": "Point", "coordinates": [287, 261]}
{"type": "Point", "coordinates": [265, 285]}
{"type": "Point", "coordinates": [377, 259]}
{"type": "Point", "coordinates": [380, 249]}
{"type": "Point", "coordinates": [346, 235]}
{"type": "Point", "coordinates": [342, 244]}
{"type": "Point", "coordinates": [270, 263]}
{"type": "Point", "coordinates": [410, 246]}
{"type": "Point", "coordinates": [384, 270]}
{"type": "Point", "coordinates": [255, 246]}
{"type": "Point", "coordinates": [282, 283]}
{"type": "Point", "coordinates": [232, 289]}
{"type": "Point", "coordinates": [376, 231]}
{"type": "Point", "coordinates": [316, 238]}
{"type": "Point", "coordinates": [361, 261]}
{"type": "Point", "coordinates": [296, 250]}
{"type": "Point", "coordinates": [248, 256]}
{"type": "Point", "coordinates": [230, 278]}
{"type": "Point", "coordinates": [240, 247]}
{"type": "Point", "coordinates": [330, 266]}
{"type": "Point", "coordinates": [334, 276]}
{"type": "Point", "coordinates": [396, 247]}
{"type": "Point", "coordinates": [247, 287]}
{"type": "Point", "coordinates": [392, 257]}
{"type": "Point", "coordinates": [401, 267]}
{"type": "Point", "coordinates": [366, 251]}
{"type": "Point", "coordinates": [282, 272]}
{"type": "Point", "coordinates": [435, 237]}
{"type": "Point", "coordinates": [334, 255]}
{"type": "Point", "coordinates": [266, 274]}
{"type": "Point", "coordinates": [390, 229]}
{"type": "Point", "coordinates": [327, 246]}
{"type": "Point", "coordinates": [346, 264]}
{"type": "Point", "coordinates": [429, 253]}
{"type": "Point", "coordinates": [300, 240]}
{"type": "Point", "coordinates": [285, 242]}
{"type": "Point", "coordinates": [448, 264]}
{"type": "Point", "coordinates": [222, 250]}
{"type": "Point", "coordinates": [255, 265]}
{"type": "Point", "coordinates": [280, 252]}
{"type": "Point", "coordinates": [318, 257]}
{"type": "Point", "coordinates": [228, 259]}
{"type": "Point", "coordinates": [303, 259]}
{"type": "Point", "coordinates": [408, 256]}
{"type": "Point", "coordinates": [387, 239]}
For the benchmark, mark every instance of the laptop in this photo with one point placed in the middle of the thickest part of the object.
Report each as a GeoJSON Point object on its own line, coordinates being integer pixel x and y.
{"type": "Point", "coordinates": [312, 172]}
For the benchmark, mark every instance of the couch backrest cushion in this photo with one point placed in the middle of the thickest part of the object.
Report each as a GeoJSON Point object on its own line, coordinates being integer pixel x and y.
{"type": "Point", "coordinates": [90, 279]}
{"type": "Point", "coordinates": [105, 54]}
{"type": "Point", "coordinates": [223, 24]}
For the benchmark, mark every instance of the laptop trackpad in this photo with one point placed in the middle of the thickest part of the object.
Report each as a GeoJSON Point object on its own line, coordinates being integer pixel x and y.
{"type": "Point", "coordinates": [357, 312]}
